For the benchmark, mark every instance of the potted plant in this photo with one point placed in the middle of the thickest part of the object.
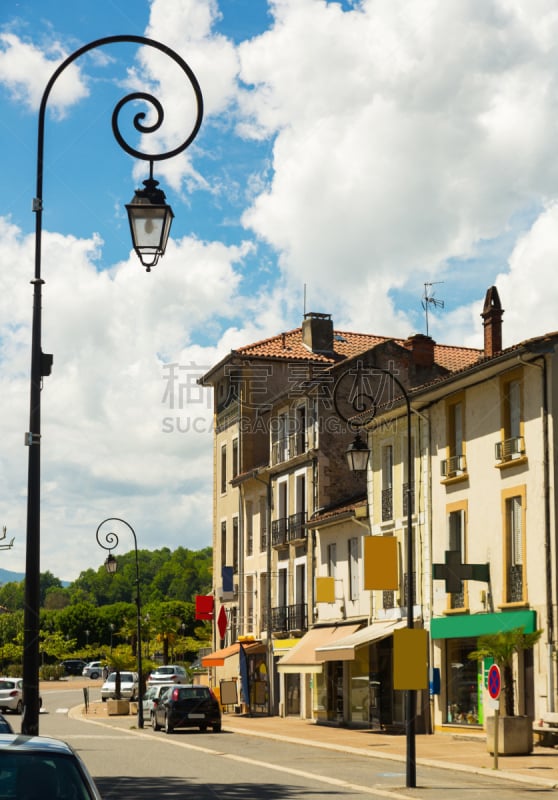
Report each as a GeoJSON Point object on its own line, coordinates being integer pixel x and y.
{"type": "Point", "coordinates": [515, 732]}
{"type": "Point", "coordinates": [119, 660]}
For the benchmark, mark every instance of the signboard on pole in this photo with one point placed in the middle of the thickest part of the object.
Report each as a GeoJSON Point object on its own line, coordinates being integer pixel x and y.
{"type": "Point", "coordinates": [494, 682]}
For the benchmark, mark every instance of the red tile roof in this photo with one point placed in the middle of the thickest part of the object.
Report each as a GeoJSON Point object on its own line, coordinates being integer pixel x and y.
{"type": "Point", "coordinates": [289, 346]}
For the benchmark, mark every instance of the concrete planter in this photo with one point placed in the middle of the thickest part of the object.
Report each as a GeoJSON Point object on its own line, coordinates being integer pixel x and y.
{"type": "Point", "coordinates": [118, 708]}
{"type": "Point", "coordinates": [515, 735]}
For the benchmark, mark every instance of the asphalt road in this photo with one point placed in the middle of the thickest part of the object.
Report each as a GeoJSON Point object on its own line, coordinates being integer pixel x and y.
{"type": "Point", "coordinates": [135, 765]}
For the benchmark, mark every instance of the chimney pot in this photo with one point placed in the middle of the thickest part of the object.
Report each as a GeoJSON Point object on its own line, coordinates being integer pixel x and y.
{"type": "Point", "coordinates": [492, 313]}
{"type": "Point", "coordinates": [317, 332]}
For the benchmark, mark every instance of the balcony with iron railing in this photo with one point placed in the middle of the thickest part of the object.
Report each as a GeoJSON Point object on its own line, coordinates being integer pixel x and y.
{"type": "Point", "coordinates": [279, 528]}
{"type": "Point", "coordinates": [288, 447]}
{"type": "Point", "coordinates": [515, 583]}
{"type": "Point", "coordinates": [288, 529]}
{"type": "Point", "coordinates": [387, 504]}
{"type": "Point", "coordinates": [285, 619]}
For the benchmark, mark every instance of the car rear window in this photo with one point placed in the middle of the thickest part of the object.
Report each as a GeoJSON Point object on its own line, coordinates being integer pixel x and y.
{"type": "Point", "coordinates": [193, 693]}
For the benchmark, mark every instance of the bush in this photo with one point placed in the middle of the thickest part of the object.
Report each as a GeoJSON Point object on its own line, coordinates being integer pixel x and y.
{"type": "Point", "coordinates": [51, 672]}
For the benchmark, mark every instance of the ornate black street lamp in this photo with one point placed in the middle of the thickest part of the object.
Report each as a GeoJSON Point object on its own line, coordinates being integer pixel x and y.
{"type": "Point", "coordinates": [150, 220]}
{"type": "Point", "coordinates": [358, 455]}
{"type": "Point", "coordinates": [108, 540]}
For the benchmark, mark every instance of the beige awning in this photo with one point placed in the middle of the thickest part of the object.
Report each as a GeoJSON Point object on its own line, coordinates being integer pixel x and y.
{"type": "Point", "coordinates": [304, 656]}
{"type": "Point", "coordinates": [343, 649]}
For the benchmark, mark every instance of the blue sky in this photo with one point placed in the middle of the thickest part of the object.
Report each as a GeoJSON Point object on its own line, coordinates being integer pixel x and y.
{"type": "Point", "coordinates": [351, 150]}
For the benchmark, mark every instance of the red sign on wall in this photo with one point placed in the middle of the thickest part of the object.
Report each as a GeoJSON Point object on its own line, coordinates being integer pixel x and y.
{"type": "Point", "coordinates": [205, 606]}
{"type": "Point", "coordinates": [222, 622]}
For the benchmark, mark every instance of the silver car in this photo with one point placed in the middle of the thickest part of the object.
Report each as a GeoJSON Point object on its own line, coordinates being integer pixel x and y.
{"type": "Point", "coordinates": [129, 686]}
{"type": "Point", "coordinates": [170, 673]}
{"type": "Point", "coordinates": [93, 670]}
{"type": "Point", "coordinates": [152, 696]}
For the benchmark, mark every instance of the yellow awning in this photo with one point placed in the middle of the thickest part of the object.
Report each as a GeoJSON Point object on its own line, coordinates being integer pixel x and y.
{"type": "Point", "coordinates": [304, 656]}
{"type": "Point", "coordinates": [343, 649]}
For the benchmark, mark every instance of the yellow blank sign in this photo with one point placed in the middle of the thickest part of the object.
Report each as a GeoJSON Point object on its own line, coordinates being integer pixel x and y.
{"type": "Point", "coordinates": [380, 563]}
{"type": "Point", "coordinates": [410, 658]}
{"type": "Point", "coordinates": [325, 590]}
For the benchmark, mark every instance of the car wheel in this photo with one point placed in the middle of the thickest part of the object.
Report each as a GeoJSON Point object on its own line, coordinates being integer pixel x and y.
{"type": "Point", "coordinates": [154, 724]}
{"type": "Point", "coordinates": [94, 676]}
{"type": "Point", "coordinates": [104, 699]}
{"type": "Point", "coordinates": [216, 728]}
{"type": "Point", "coordinates": [168, 726]}
{"type": "Point", "coordinates": [19, 707]}
{"type": "Point", "coordinates": [203, 728]}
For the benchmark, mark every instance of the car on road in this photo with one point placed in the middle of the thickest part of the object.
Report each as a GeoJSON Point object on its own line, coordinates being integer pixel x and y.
{"type": "Point", "coordinates": [169, 673]}
{"type": "Point", "coordinates": [187, 706]}
{"type": "Point", "coordinates": [41, 768]}
{"type": "Point", "coordinates": [11, 695]}
{"type": "Point", "coordinates": [152, 696]}
{"type": "Point", "coordinates": [73, 666]}
{"type": "Point", "coordinates": [129, 686]}
{"type": "Point", "coordinates": [5, 726]}
{"type": "Point", "coordinates": [93, 670]}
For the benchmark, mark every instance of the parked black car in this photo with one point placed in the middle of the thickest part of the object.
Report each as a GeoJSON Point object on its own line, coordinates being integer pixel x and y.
{"type": "Point", "coordinates": [185, 706]}
{"type": "Point", "coordinates": [73, 666]}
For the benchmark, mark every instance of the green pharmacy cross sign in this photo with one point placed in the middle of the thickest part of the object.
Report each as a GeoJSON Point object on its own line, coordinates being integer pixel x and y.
{"type": "Point", "coordinates": [453, 572]}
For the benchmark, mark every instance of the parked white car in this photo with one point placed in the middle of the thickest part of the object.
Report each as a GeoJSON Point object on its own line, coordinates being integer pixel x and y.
{"type": "Point", "coordinates": [128, 686]}
{"type": "Point", "coordinates": [11, 694]}
{"type": "Point", "coordinates": [170, 673]}
{"type": "Point", "coordinates": [93, 670]}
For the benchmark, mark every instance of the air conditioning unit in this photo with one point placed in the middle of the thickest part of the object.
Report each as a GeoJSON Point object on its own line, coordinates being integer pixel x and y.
{"type": "Point", "coordinates": [509, 448]}
{"type": "Point", "coordinates": [451, 467]}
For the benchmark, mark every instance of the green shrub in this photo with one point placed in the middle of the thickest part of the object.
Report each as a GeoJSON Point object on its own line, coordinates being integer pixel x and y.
{"type": "Point", "coordinates": [51, 672]}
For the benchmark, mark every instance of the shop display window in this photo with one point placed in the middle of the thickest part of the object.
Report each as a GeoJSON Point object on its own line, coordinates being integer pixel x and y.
{"type": "Point", "coordinates": [462, 683]}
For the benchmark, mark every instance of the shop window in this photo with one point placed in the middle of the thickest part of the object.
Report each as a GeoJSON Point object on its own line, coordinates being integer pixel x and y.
{"type": "Point", "coordinates": [462, 683]}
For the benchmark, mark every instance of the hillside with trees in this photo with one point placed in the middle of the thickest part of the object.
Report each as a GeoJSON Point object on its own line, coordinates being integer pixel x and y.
{"type": "Point", "coordinates": [96, 615]}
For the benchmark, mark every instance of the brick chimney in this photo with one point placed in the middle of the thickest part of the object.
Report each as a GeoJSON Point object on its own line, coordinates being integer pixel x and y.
{"type": "Point", "coordinates": [317, 332]}
{"type": "Point", "coordinates": [422, 349]}
{"type": "Point", "coordinates": [492, 322]}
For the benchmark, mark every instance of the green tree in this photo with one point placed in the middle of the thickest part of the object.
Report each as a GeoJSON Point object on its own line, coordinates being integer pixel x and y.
{"type": "Point", "coordinates": [502, 647]}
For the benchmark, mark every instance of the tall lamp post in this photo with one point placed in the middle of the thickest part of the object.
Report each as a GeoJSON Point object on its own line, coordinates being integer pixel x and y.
{"type": "Point", "coordinates": [108, 540]}
{"type": "Point", "coordinates": [358, 456]}
{"type": "Point", "coordinates": [150, 219]}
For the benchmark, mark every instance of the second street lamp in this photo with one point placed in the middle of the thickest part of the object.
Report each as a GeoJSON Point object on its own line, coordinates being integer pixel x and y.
{"type": "Point", "coordinates": [150, 233]}
{"type": "Point", "coordinates": [108, 540]}
{"type": "Point", "coordinates": [358, 455]}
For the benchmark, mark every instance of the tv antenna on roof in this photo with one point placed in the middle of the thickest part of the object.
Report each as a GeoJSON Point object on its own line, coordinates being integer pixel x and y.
{"type": "Point", "coordinates": [428, 298]}
{"type": "Point", "coordinates": [7, 545]}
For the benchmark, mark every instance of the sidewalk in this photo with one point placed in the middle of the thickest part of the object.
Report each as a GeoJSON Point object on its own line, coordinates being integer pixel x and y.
{"type": "Point", "coordinates": [456, 751]}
